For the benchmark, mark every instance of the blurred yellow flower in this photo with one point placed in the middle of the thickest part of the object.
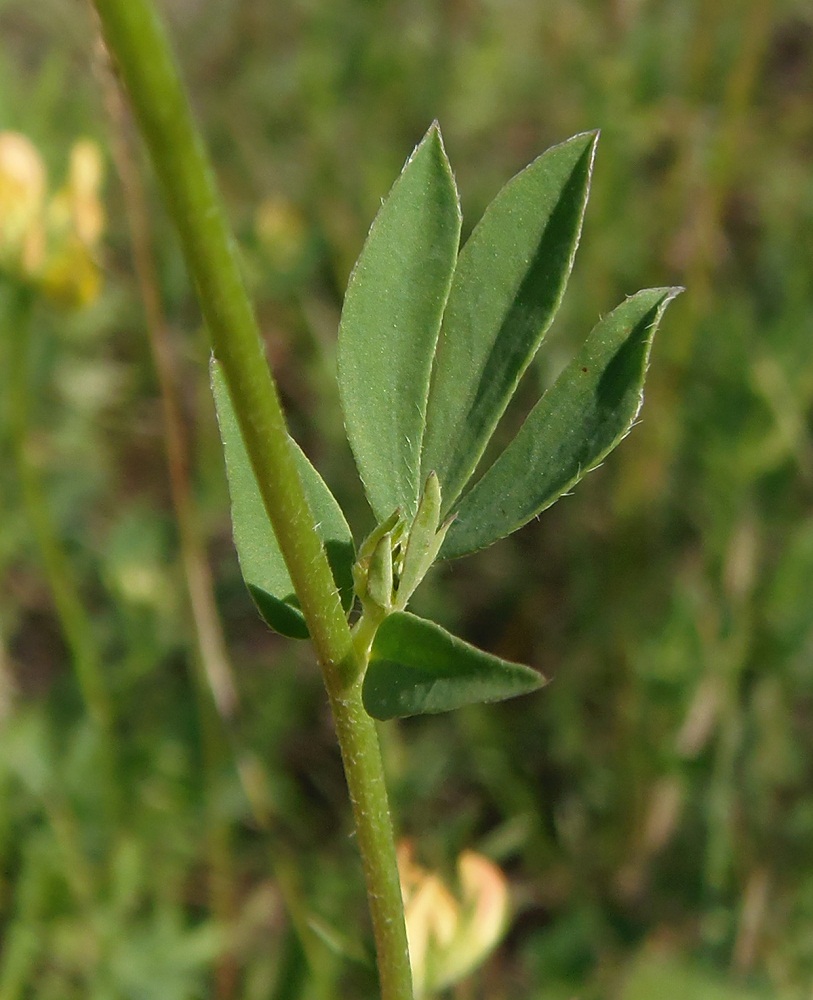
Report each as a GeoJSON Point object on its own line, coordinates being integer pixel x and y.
{"type": "Point", "coordinates": [51, 243]}
{"type": "Point", "coordinates": [22, 197]}
{"type": "Point", "coordinates": [449, 935]}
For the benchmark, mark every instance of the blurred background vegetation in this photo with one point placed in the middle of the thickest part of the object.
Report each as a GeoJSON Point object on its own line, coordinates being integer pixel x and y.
{"type": "Point", "coordinates": [653, 806]}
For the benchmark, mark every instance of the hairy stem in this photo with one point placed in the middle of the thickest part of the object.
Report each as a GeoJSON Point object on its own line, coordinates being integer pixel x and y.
{"type": "Point", "coordinates": [137, 42]}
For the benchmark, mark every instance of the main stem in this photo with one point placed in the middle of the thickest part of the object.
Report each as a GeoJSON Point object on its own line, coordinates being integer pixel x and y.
{"type": "Point", "coordinates": [138, 43]}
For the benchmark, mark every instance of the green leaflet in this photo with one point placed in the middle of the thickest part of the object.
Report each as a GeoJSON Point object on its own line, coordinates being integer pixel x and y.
{"type": "Point", "coordinates": [582, 417]}
{"type": "Point", "coordinates": [390, 322]}
{"type": "Point", "coordinates": [416, 667]}
{"type": "Point", "coordinates": [507, 286]}
{"type": "Point", "coordinates": [261, 561]}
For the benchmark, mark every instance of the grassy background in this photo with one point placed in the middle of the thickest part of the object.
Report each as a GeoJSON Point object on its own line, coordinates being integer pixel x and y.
{"type": "Point", "coordinates": [653, 807]}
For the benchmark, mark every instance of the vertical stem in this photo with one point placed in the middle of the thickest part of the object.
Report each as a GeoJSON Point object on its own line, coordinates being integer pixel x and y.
{"type": "Point", "coordinates": [361, 754]}
{"type": "Point", "coordinates": [137, 41]}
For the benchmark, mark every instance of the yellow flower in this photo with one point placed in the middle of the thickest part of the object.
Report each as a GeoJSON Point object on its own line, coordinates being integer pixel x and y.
{"type": "Point", "coordinates": [51, 244]}
{"type": "Point", "coordinates": [451, 935]}
{"type": "Point", "coordinates": [22, 199]}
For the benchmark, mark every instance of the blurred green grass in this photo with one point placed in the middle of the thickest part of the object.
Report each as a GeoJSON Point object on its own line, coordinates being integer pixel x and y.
{"type": "Point", "coordinates": [653, 807]}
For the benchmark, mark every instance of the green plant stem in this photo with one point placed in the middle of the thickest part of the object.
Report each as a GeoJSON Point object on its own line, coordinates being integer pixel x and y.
{"type": "Point", "coordinates": [137, 41]}
{"type": "Point", "coordinates": [363, 766]}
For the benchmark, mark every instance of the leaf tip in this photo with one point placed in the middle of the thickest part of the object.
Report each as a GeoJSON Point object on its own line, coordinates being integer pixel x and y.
{"type": "Point", "coordinates": [593, 137]}
{"type": "Point", "coordinates": [665, 295]}
{"type": "Point", "coordinates": [588, 139]}
{"type": "Point", "coordinates": [586, 143]}
{"type": "Point", "coordinates": [433, 134]}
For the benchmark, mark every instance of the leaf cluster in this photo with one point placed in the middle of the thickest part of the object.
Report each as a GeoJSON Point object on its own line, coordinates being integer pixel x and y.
{"type": "Point", "coordinates": [433, 343]}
